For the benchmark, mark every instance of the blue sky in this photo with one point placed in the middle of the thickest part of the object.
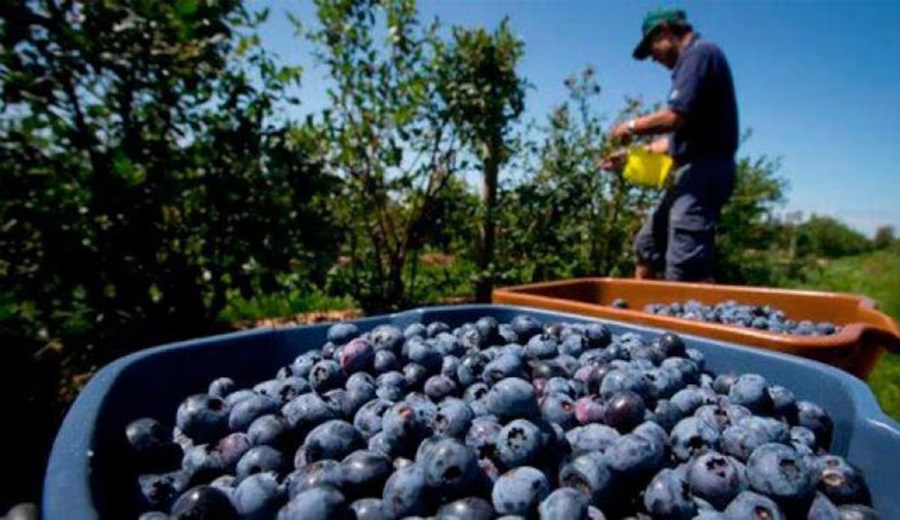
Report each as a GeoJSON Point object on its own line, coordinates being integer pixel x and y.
{"type": "Point", "coordinates": [818, 82]}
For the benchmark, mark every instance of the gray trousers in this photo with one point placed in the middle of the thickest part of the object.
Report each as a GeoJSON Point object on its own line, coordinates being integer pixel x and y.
{"type": "Point", "coordinates": [678, 236]}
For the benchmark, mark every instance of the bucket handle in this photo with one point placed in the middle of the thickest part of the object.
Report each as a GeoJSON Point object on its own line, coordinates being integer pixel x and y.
{"type": "Point", "coordinates": [885, 338]}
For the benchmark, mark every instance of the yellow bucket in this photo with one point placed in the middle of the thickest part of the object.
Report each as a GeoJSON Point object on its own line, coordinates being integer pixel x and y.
{"type": "Point", "coordinates": [647, 168]}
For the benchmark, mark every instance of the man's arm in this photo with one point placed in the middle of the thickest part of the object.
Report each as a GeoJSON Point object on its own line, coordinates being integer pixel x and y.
{"type": "Point", "coordinates": [660, 122]}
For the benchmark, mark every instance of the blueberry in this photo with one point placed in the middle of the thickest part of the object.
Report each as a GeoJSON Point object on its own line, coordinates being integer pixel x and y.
{"type": "Point", "coordinates": [357, 355]}
{"type": "Point", "coordinates": [569, 365]}
{"type": "Point", "coordinates": [392, 386]}
{"type": "Point", "coordinates": [779, 472]}
{"type": "Point", "coordinates": [426, 355]}
{"type": "Point", "coordinates": [475, 391]}
{"type": "Point", "coordinates": [688, 400]}
{"type": "Point", "coordinates": [415, 375]}
{"type": "Point", "coordinates": [237, 396]}
{"type": "Point", "coordinates": [506, 365]}
{"type": "Point", "coordinates": [511, 398]}
{"type": "Point", "coordinates": [248, 410]}
{"type": "Point", "coordinates": [482, 437]}
{"type": "Point", "coordinates": [541, 346]}
{"type": "Point", "coordinates": [692, 437]}
{"type": "Point", "coordinates": [450, 468]}
{"type": "Point", "coordinates": [333, 439]}
{"type": "Point", "coordinates": [453, 418]}
{"type": "Point", "coordinates": [367, 509]}
{"type": "Point", "coordinates": [203, 502]}
{"type": "Point", "coordinates": [624, 411]}
{"type": "Point", "coordinates": [290, 387]}
{"type": "Point", "coordinates": [722, 416]}
{"type": "Point", "coordinates": [823, 509]}
{"type": "Point", "coordinates": [740, 441]}
{"type": "Point", "coordinates": [319, 473]}
{"type": "Point", "coordinates": [260, 459]}
{"type": "Point", "coordinates": [590, 409]}
{"type": "Point", "coordinates": [404, 428]}
{"type": "Point", "coordinates": [573, 345]}
{"type": "Point", "coordinates": [546, 369]}
{"type": "Point", "coordinates": [800, 435]}
{"type": "Point", "coordinates": [318, 503]}
{"type": "Point", "coordinates": [559, 409]}
{"type": "Point", "coordinates": [268, 387]}
{"type": "Point", "coordinates": [436, 327]}
{"type": "Point", "coordinates": [369, 417]}
{"type": "Point", "coordinates": [841, 481]}
{"type": "Point", "coordinates": [784, 403]}
{"type": "Point", "coordinates": [591, 476]}
{"type": "Point", "coordinates": [752, 505]}
{"type": "Point", "coordinates": [385, 361]}
{"type": "Point", "coordinates": [304, 362]}
{"type": "Point", "coordinates": [259, 496]}
{"type": "Point", "coordinates": [225, 483]}
{"type": "Point", "coordinates": [773, 430]}
{"type": "Point", "coordinates": [671, 345]}
{"type": "Point", "coordinates": [654, 432]}
{"type": "Point", "coordinates": [814, 417]}
{"type": "Point", "coordinates": [342, 333]}
{"type": "Point", "coordinates": [635, 457]}
{"type": "Point", "coordinates": [724, 382]}
{"type": "Point", "coordinates": [152, 445]}
{"type": "Point", "coordinates": [666, 382]}
{"type": "Point", "coordinates": [619, 380]}
{"type": "Point", "coordinates": [221, 387]}
{"type": "Point", "coordinates": [469, 508]}
{"type": "Point", "coordinates": [149, 515]}
{"type": "Point", "coordinates": [525, 327]}
{"type": "Point", "coordinates": [519, 443]}
{"type": "Point", "coordinates": [715, 478]}
{"type": "Point", "coordinates": [415, 330]}
{"type": "Point", "coordinates": [203, 418]}
{"type": "Point", "coordinates": [470, 368]}
{"type": "Point", "coordinates": [560, 385]}
{"type": "Point", "coordinates": [308, 411]}
{"type": "Point", "coordinates": [688, 368]}
{"type": "Point", "coordinates": [448, 345]}
{"type": "Point", "coordinates": [365, 472]}
{"type": "Point", "coordinates": [326, 375]}
{"type": "Point", "coordinates": [387, 337]}
{"type": "Point", "coordinates": [666, 414]}
{"type": "Point", "coordinates": [449, 366]}
{"type": "Point", "coordinates": [489, 329]}
{"type": "Point", "coordinates": [751, 392]}
{"type": "Point", "coordinates": [160, 490]}
{"type": "Point", "coordinates": [519, 491]}
{"type": "Point", "coordinates": [669, 497]}
{"type": "Point", "coordinates": [439, 387]}
{"type": "Point", "coordinates": [405, 493]}
{"type": "Point", "coordinates": [563, 504]}
{"type": "Point", "coordinates": [598, 335]}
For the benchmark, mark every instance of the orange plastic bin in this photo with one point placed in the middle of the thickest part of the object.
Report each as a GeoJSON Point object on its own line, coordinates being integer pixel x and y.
{"type": "Point", "coordinates": [866, 333]}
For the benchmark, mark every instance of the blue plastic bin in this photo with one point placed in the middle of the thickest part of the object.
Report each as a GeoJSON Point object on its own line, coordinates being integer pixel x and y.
{"type": "Point", "coordinates": [86, 478]}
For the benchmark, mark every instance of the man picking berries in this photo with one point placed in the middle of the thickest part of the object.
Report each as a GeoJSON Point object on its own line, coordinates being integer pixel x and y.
{"type": "Point", "coordinates": [699, 126]}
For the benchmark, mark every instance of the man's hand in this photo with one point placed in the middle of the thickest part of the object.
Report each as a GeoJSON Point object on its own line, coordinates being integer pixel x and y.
{"type": "Point", "coordinates": [615, 161]}
{"type": "Point", "coordinates": [621, 132]}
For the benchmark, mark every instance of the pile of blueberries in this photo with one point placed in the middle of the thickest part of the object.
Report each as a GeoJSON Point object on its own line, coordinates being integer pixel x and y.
{"type": "Point", "coordinates": [487, 420]}
{"type": "Point", "coordinates": [760, 317]}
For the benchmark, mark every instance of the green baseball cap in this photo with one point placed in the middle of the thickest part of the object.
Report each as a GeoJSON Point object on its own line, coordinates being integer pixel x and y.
{"type": "Point", "coordinates": [651, 22]}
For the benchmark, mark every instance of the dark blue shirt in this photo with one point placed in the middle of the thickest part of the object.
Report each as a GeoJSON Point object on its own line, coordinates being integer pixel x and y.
{"type": "Point", "coordinates": [703, 90]}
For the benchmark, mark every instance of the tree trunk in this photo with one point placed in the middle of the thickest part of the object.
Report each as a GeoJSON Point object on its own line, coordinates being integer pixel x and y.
{"type": "Point", "coordinates": [487, 229]}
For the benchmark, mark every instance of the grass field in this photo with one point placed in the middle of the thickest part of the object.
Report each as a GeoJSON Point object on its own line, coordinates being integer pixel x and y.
{"type": "Point", "coordinates": [876, 275]}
